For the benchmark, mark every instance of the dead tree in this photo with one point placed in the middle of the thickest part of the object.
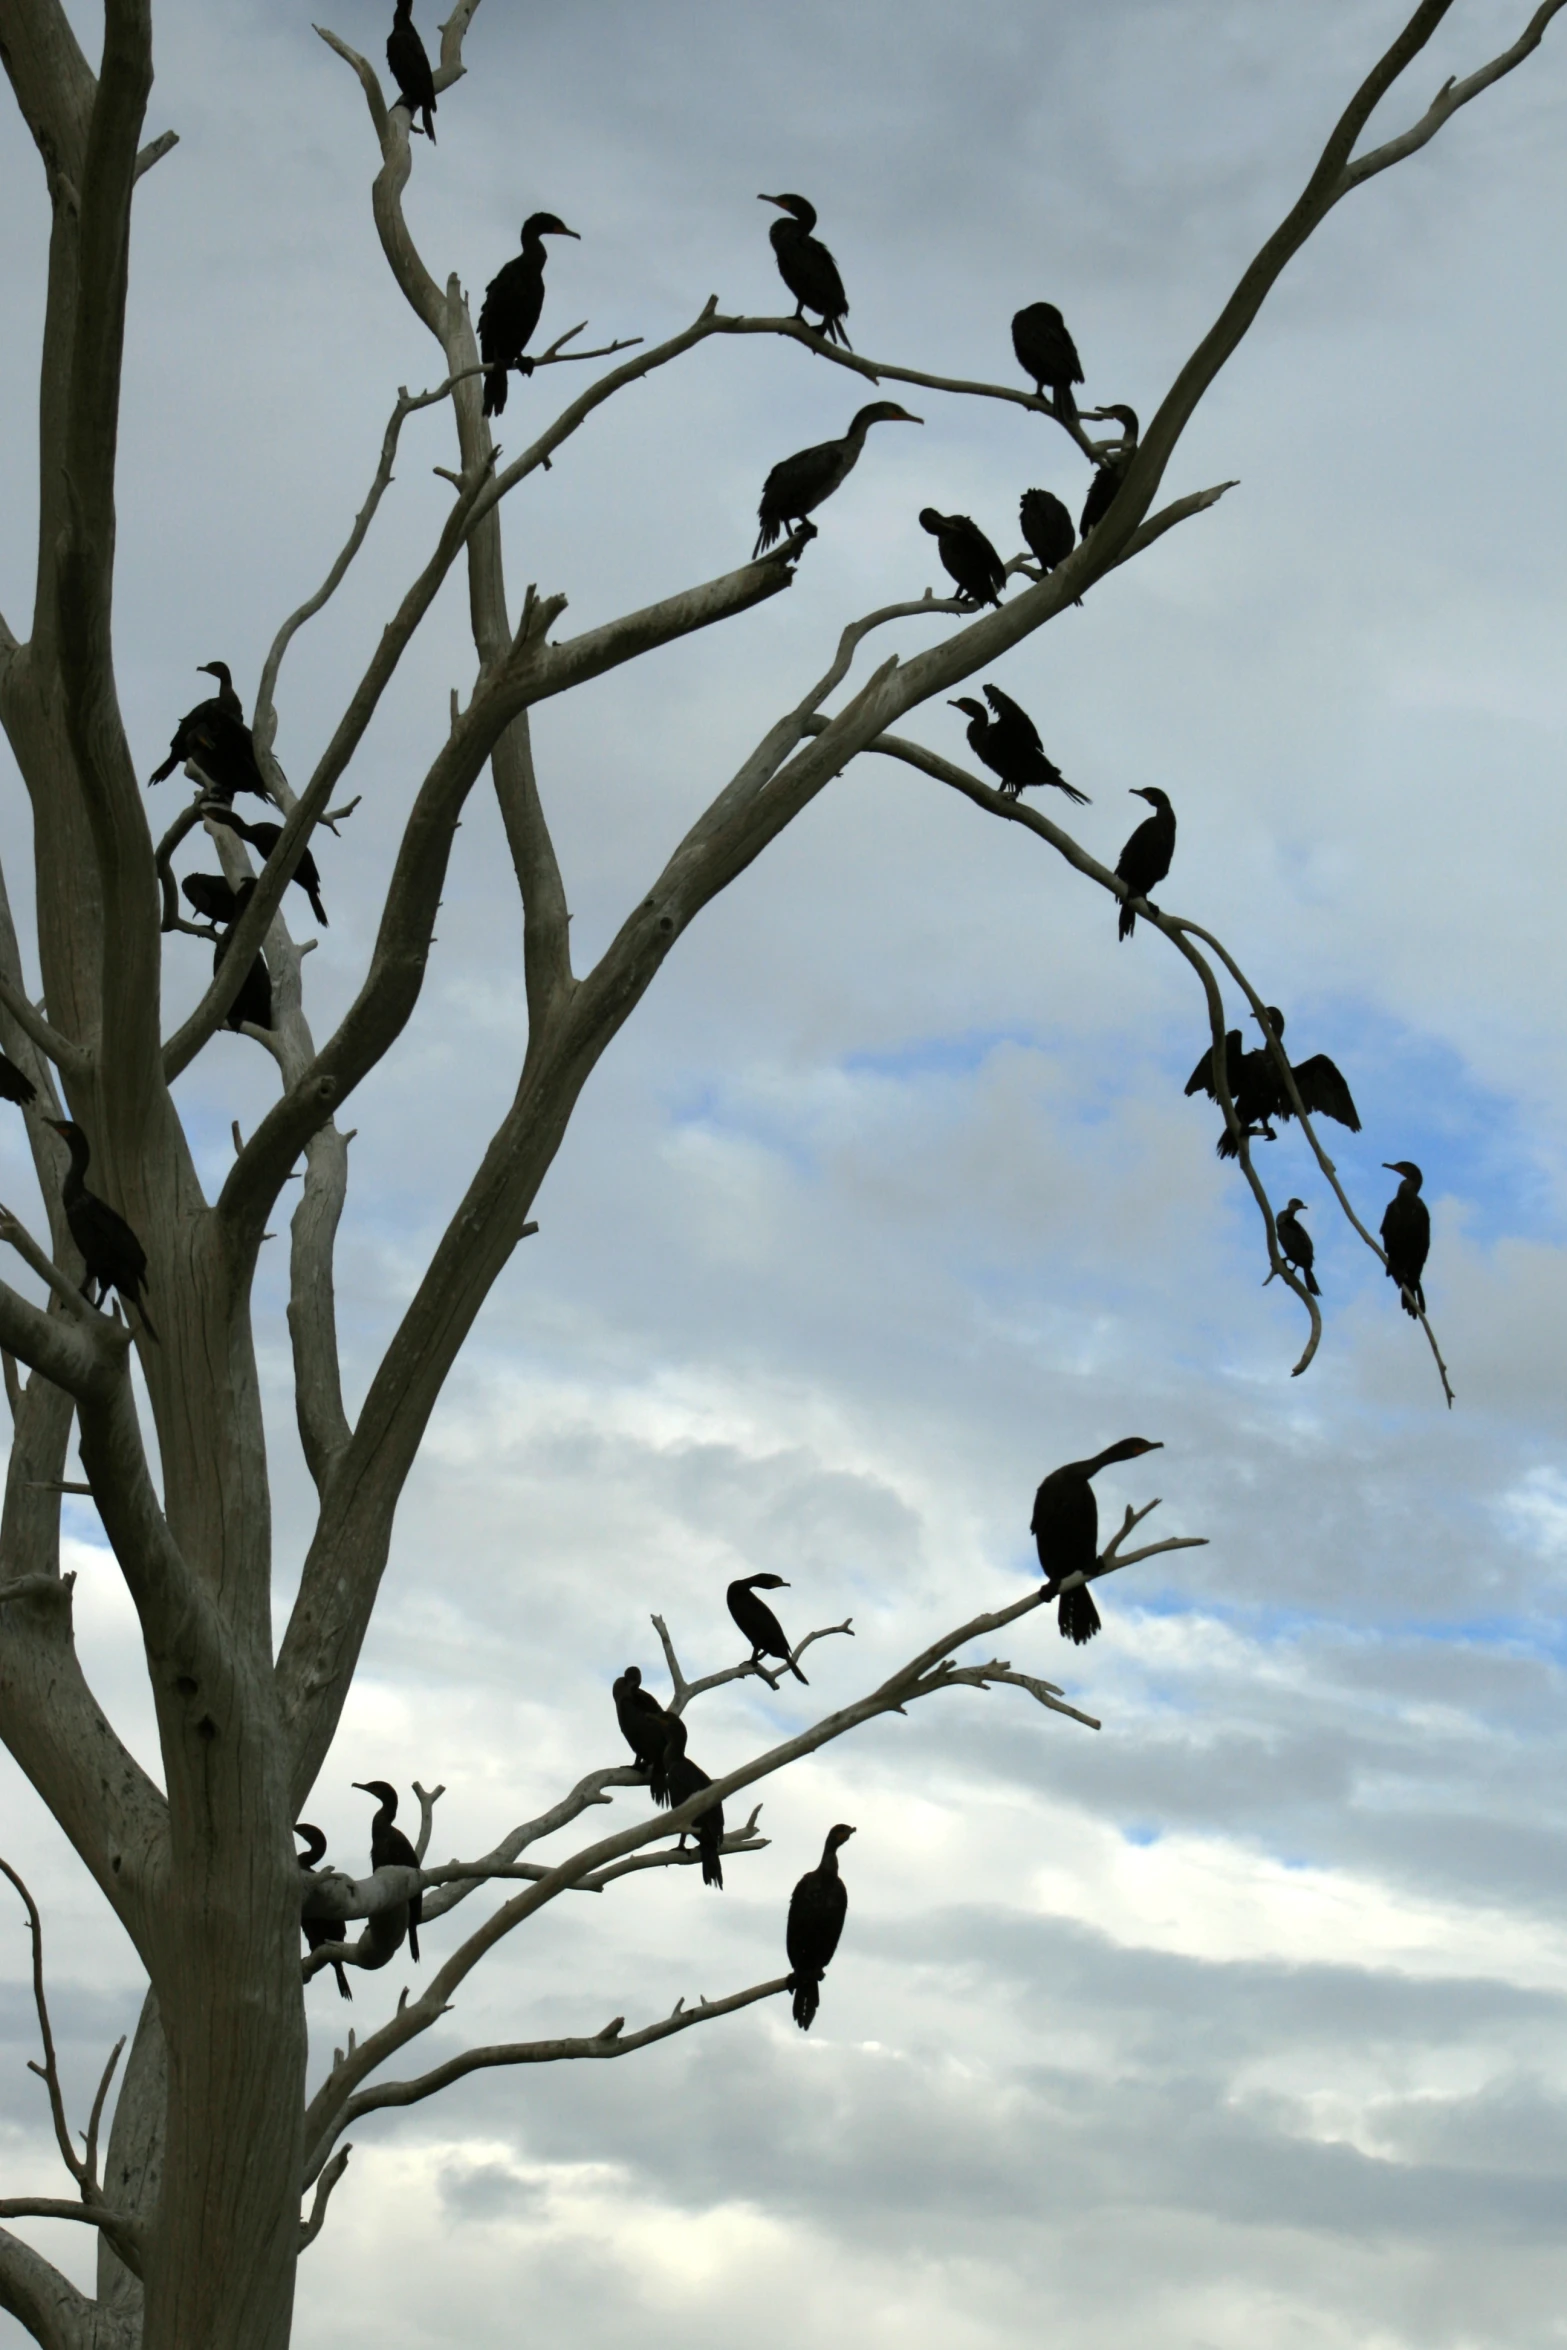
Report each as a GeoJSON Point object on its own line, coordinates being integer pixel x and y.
{"type": "Point", "coordinates": [214, 2140]}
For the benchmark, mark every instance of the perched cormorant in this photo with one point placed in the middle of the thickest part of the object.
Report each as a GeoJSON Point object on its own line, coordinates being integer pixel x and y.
{"type": "Point", "coordinates": [757, 1621]}
{"type": "Point", "coordinates": [264, 839]}
{"type": "Point", "coordinates": [1047, 527]}
{"type": "Point", "coordinates": [1145, 860]}
{"type": "Point", "coordinates": [687, 1778]}
{"type": "Point", "coordinates": [817, 1908]}
{"type": "Point", "coordinates": [405, 54]}
{"type": "Point", "coordinates": [654, 1736]}
{"type": "Point", "coordinates": [1257, 1089]}
{"type": "Point", "coordinates": [254, 1000]}
{"type": "Point", "coordinates": [111, 1252]}
{"type": "Point", "coordinates": [211, 896]}
{"type": "Point", "coordinates": [319, 1930]}
{"type": "Point", "coordinates": [513, 300]}
{"type": "Point", "coordinates": [1109, 471]}
{"type": "Point", "coordinates": [1047, 352]}
{"type": "Point", "coordinates": [1065, 1527]}
{"type": "Point", "coordinates": [807, 268]}
{"type": "Point", "coordinates": [390, 1849]}
{"type": "Point", "coordinates": [1009, 745]}
{"type": "Point", "coordinates": [798, 485]}
{"type": "Point", "coordinates": [215, 738]}
{"type": "Point", "coordinates": [15, 1084]}
{"type": "Point", "coordinates": [1406, 1236]}
{"type": "Point", "coordinates": [1295, 1245]}
{"type": "Point", "coordinates": [966, 554]}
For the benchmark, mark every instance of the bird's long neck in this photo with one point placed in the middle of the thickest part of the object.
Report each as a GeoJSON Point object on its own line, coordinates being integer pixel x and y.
{"type": "Point", "coordinates": [829, 1859]}
{"type": "Point", "coordinates": [1101, 1460]}
{"type": "Point", "coordinates": [76, 1175]}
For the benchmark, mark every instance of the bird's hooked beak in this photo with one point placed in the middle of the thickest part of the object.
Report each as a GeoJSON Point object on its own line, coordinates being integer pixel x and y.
{"type": "Point", "coordinates": [1138, 793]}
{"type": "Point", "coordinates": [778, 200]}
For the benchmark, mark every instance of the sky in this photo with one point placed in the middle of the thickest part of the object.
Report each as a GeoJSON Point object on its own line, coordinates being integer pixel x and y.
{"type": "Point", "coordinates": [1242, 2021]}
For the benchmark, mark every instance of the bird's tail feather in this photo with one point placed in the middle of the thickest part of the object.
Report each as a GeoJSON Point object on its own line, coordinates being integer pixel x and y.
{"type": "Point", "coordinates": [1077, 1615]}
{"type": "Point", "coordinates": [342, 1979]}
{"type": "Point", "coordinates": [712, 1868]}
{"type": "Point", "coordinates": [1311, 1282]}
{"type": "Point", "coordinates": [807, 1999]}
{"type": "Point", "coordinates": [1128, 921]}
{"type": "Point", "coordinates": [799, 1676]}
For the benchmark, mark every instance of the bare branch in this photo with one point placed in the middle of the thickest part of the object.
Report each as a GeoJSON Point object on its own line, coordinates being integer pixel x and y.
{"type": "Point", "coordinates": [612, 2041]}
{"type": "Point", "coordinates": [154, 151]}
{"type": "Point", "coordinates": [753, 1666]}
{"type": "Point", "coordinates": [66, 1056]}
{"type": "Point", "coordinates": [1451, 96]}
{"type": "Point", "coordinates": [49, 2071]}
{"type": "Point", "coordinates": [16, 1235]}
{"type": "Point", "coordinates": [47, 2304]}
{"type": "Point", "coordinates": [264, 715]}
{"type": "Point", "coordinates": [925, 1676]}
{"type": "Point", "coordinates": [310, 2228]}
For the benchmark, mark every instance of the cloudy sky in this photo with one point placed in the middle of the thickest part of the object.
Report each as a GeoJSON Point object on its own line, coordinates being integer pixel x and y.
{"type": "Point", "coordinates": [1243, 2022]}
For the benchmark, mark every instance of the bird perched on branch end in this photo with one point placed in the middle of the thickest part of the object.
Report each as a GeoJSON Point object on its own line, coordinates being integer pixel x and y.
{"type": "Point", "coordinates": [1406, 1236]}
{"type": "Point", "coordinates": [405, 54]}
{"type": "Point", "coordinates": [1065, 1527]}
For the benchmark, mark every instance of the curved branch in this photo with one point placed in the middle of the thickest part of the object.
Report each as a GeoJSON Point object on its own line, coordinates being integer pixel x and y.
{"type": "Point", "coordinates": [310, 2228]}
{"type": "Point", "coordinates": [612, 2041]}
{"type": "Point", "coordinates": [1452, 95]}
{"type": "Point", "coordinates": [44, 2302]}
{"type": "Point", "coordinates": [264, 715]}
{"type": "Point", "coordinates": [66, 1055]}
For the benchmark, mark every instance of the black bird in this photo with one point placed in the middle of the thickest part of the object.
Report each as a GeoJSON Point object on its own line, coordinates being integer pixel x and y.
{"type": "Point", "coordinates": [254, 1000]}
{"type": "Point", "coordinates": [798, 485]}
{"type": "Point", "coordinates": [211, 896]}
{"type": "Point", "coordinates": [1110, 471]}
{"type": "Point", "coordinates": [1145, 860]}
{"type": "Point", "coordinates": [215, 738]}
{"type": "Point", "coordinates": [654, 1736]}
{"type": "Point", "coordinates": [1406, 1236]}
{"type": "Point", "coordinates": [1201, 1079]}
{"type": "Point", "coordinates": [15, 1084]}
{"type": "Point", "coordinates": [111, 1252]}
{"type": "Point", "coordinates": [1009, 745]}
{"type": "Point", "coordinates": [1295, 1245]}
{"type": "Point", "coordinates": [966, 554]}
{"type": "Point", "coordinates": [817, 1908]}
{"type": "Point", "coordinates": [1047, 352]}
{"type": "Point", "coordinates": [807, 268]}
{"type": "Point", "coordinates": [687, 1778]}
{"type": "Point", "coordinates": [390, 1849]}
{"type": "Point", "coordinates": [757, 1621]}
{"type": "Point", "coordinates": [319, 1930]}
{"type": "Point", "coordinates": [513, 300]}
{"type": "Point", "coordinates": [405, 54]}
{"type": "Point", "coordinates": [1257, 1088]}
{"type": "Point", "coordinates": [1065, 1527]}
{"type": "Point", "coordinates": [264, 838]}
{"type": "Point", "coordinates": [1047, 528]}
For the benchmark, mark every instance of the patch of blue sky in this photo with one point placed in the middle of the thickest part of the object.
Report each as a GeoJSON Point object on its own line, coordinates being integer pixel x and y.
{"type": "Point", "coordinates": [962, 1054]}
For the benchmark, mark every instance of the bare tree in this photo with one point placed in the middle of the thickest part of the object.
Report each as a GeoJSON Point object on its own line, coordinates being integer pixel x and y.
{"type": "Point", "coordinates": [215, 2142]}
